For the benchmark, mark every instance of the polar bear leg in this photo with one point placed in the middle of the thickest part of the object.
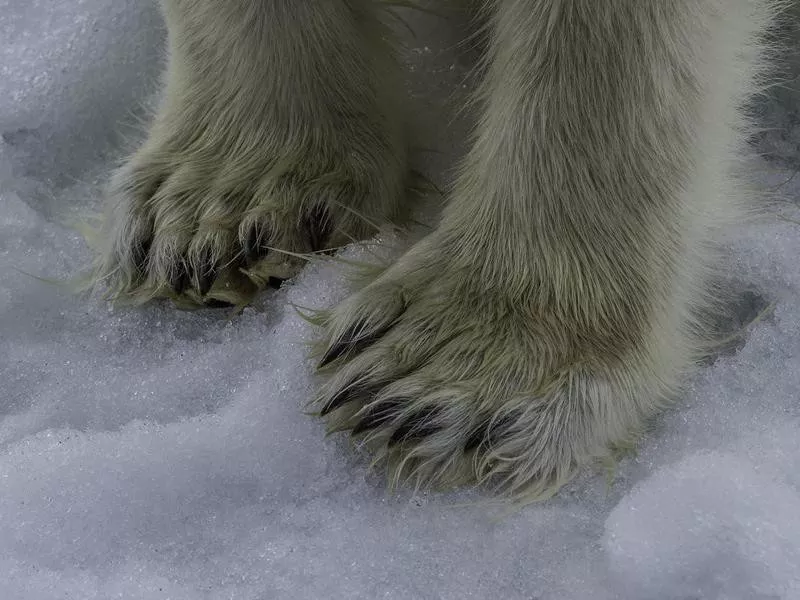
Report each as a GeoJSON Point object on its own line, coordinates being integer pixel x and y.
{"type": "Point", "coordinates": [280, 128]}
{"type": "Point", "coordinates": [555, 307]}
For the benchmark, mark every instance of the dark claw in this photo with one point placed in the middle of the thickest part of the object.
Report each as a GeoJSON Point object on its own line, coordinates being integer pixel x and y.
{"type": "Point", "coordinates": [205, 274]}
{"type": "Point", "coordinates": [179, 280]}
{"type": "Point", "coordinates": [475, 438]}
{"type": "Point", "coordinates": [490, 432]}
{"type": "Point", "coordinates": [353, 340]}
{"type": "Point", "coordinates": [332, 354]}
{"type": "Point", "coordinates": [376, 417]}
{"type": "Point", "coordinates": [254, 250]}
{"type": "Point", "coordinates": [318, 227]}
{"type": "Point", "coordinates": [348, 394]}
{"type": "Point", "coordinates": [214, 303]}
{"type": "Point", "coordinates": [205, 281]}
{"type": "Point", "coordinates": [417, 426]}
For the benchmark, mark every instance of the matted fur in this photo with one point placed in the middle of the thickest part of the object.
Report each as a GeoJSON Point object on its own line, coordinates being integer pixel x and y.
{"type": "Point", "coordinates": [556, 307]}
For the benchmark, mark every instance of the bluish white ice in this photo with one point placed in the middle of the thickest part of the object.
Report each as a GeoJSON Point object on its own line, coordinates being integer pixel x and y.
{"type": "Point", "coordinates": [152, 454]}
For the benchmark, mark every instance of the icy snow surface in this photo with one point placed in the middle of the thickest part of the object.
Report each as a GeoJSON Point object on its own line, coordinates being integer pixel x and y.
{"type": "Point", "coordinates": [157, 454]}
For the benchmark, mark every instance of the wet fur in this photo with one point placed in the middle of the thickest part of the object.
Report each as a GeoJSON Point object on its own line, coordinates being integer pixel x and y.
{"type": "Point", "coordinates": [556, 306]}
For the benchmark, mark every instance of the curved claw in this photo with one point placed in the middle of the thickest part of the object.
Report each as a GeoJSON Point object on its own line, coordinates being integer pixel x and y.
{"type": "Point", "coordinates": [419, 425]}
{"type": "Point", "coordinates": [353, 340]}
{"type": "Point", "coordinates": [490, 432]}
{"type": "Point", "coordinates": [179, 279]}
{"type": "Point", "coordinates": [253, 246]}
{"type": "Point", "coordinates": [376, 416]}
{"type": "Point", "coordinates": [206, 274]}
{"type": "Point", "coordinates": [360, 390]}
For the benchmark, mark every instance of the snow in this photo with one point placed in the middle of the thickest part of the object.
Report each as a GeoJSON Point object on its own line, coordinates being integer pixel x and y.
{"type": "Point", "coordinates": [156, 454]}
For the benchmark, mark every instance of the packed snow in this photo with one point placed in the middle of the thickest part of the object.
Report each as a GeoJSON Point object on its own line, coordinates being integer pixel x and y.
{"type": "Point", "coordinates": [150, 453]}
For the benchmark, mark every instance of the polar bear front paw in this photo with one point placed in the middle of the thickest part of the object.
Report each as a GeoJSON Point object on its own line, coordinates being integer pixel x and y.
{"type": "Point", "coordinates": [451, 382]}
{"type": "Point", "coordinates": [217, 226]}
